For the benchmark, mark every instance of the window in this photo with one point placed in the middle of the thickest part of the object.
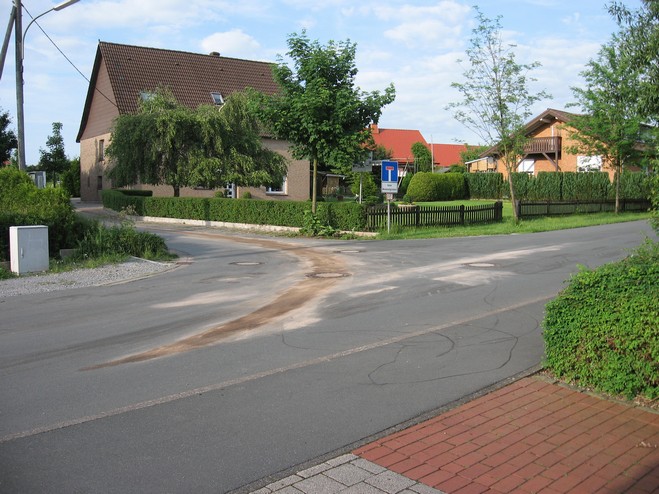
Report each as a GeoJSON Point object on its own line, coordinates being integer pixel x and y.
{"type": "Point", "coordinates": [278, 190]}
{"type": "Point", "coordinates": [147, 95]}
{"type": "Point", "coordinates": [589, 163]}
{"type": "Point", "coordinates": [101, 150]}
{"type": "Point", "coordinates": [526, 166]}
{"type": "Point", "coordinates": [99, 182]}
{"type": "Point", "coordinates": [218, 100]}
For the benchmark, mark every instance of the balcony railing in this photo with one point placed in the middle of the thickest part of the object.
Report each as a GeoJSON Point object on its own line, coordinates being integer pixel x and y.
{"type": "Point", "coordinates": [543, 145]}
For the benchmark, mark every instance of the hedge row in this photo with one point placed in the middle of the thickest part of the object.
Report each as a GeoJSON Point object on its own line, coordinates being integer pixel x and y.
{"type": "Point", "coordinates": [601, 331]}
{"type": "Point", "coordinates": [561, 186]}
{"type": "Point", "coordinates": [339, 215]}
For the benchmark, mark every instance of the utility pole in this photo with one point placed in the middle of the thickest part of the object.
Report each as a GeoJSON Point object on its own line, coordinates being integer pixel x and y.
{"type": "Point", "coordinates": [20, 124]}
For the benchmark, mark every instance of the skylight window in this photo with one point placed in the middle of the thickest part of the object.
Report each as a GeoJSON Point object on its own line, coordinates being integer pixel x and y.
{"type": "Point", "coordinates": [147, 95]}
{"type": "Point", "coordinates": [217, 99]}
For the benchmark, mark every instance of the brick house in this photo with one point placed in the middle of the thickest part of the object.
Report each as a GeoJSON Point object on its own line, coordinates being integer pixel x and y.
{"type": "Point", "coordinates": [122, 74]}
{"type": "Point", "coordinates": [546, 151]}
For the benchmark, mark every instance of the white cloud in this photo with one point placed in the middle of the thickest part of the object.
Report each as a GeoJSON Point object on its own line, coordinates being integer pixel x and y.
{"type": "Point", "coordinates": [234, 43]}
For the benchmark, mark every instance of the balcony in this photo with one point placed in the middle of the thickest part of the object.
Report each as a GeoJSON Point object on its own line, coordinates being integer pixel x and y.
{"type": "Point", "coordinates": [541, 145]}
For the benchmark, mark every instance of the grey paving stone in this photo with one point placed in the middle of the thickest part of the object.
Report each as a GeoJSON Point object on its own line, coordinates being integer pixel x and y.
{"type": "Point", "coordinates": [315, 470]}
{"type": "Point", "coordinates": [390, 482]}
{"type": "Point", "coordinates": [288, 490]}
{"type": "Point", "coordinates": [424, 489]}
{"type": "Point", "coordinates": [265, 490]}
{"type": "Point", "coordinates": [280, 484]}
{"type": "Point", "coordinates": [369, 466]}
{"type": "Point", "coordinates": [348, 474]}
{"type": "Point", "coordinates": [319, 484]}
{"type": "Point", "coordinates": [340, 460]}
{"type": "Point", "coordinates": [362, 488]}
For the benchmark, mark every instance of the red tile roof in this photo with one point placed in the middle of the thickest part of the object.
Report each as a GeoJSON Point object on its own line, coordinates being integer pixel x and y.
{"type": "Point", "coordinates": [447, 154]}
{"type": "Point", "coordinates": [398, 141]}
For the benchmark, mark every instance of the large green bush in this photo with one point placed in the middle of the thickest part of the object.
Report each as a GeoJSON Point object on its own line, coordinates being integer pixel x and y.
{"type": "Point", "coordinates": [22, 203]}
{"type": "Point", "coordinates": [427, 186]}
{"type": "Point", "coordinates": [601, 331]}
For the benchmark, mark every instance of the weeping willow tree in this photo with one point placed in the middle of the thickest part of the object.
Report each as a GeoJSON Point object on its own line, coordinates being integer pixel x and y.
{"type": "Point", "coordinates": [166, 143]}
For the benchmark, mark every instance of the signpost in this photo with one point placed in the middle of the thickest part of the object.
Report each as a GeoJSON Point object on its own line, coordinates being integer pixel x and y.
{"type": "Point", "coordinates": [389, 176]}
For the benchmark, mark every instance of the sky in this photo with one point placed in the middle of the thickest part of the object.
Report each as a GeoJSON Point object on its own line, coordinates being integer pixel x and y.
{"type": "Point", "coordinates": [415, 45]}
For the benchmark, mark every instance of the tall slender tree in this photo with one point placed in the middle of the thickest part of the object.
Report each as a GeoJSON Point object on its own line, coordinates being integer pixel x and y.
{"type": "Point", "coordinates": [610, 126]}
{"type": "Point", "coordinates": [53, 158]}
{"type": "Point", "coordinates": [8, 141]}
{"type": "Point", "coordinates": [319, 110]}
{"type": "Point", "coordinates": [496, 99]}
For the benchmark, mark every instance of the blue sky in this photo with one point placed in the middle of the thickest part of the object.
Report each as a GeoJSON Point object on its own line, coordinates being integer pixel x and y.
{"type": "Point", "coordinates": [414, 44]}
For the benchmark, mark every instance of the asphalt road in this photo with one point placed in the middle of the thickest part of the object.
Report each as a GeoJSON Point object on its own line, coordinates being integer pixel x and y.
{"type": "Point", "coordinates": [259, 354]}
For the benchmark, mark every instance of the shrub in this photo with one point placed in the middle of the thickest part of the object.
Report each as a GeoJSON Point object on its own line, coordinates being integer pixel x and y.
{"type": "Point", "coordinates": [601, 331]}
{"type": "Point", "coordinates": [634, 185]}
{"type": "Point", "coordinates": [71, 179]}
{"type": "Point", "coordinates": [484, 185]}
{"type": "Point", "coordinates": [422, 187]}
{"type": "Point", "coordinates": [124, 240]}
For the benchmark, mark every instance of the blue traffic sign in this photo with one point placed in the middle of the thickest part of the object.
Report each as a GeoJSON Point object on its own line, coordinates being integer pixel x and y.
{"type": "Point", "coordinates": [389, 172]}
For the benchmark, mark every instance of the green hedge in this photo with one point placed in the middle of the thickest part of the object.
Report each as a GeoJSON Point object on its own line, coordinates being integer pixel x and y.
{"type": "Point", "coordinates": [427, 186]}
{"type": "Point", "coordinates": [485, 185]}
{"type": "Point", "coordinates": [340, 215]}
{"type": "Point", "coordinates": [601, 331]}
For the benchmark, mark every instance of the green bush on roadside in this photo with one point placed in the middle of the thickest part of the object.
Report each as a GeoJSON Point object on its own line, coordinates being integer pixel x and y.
{"type": "Point", "coordinates": [601, 331]}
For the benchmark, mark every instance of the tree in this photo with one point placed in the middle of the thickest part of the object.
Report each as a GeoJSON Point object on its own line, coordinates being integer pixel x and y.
{"type": "Point", "coordinates": [611, 125]}
{"type": "Point", "coordinates": [319, 110]}
{"type": "Point", "coordinates": [638, 40]}
{"type": "Point", "coordinates": [8, 140]}
{"type": "Point", "coordinates": [54, 159]}
{"type": "Point", "coordinates": [471, 153]}
{"type": "Point", "coordinates": [496, 98]}
{"type": "Point", "coordinates": [422, 157]}
{"type": "Point", "coordinates": [168, 143]}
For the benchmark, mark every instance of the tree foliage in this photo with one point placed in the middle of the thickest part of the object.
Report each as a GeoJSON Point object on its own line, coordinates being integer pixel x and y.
{"type": "Point", "coordinates": [319, 110]}
{"type": "Point", "coordinates": [471, 153]}
{"type": "Point", "coordinates": [53, 159]}
{"type": "Point", "coordinates": [496, 99]}
{"type": "Point", "coordinates": [422, 157]}
{"type": "Point", "coordinates": [8, 141]}
{"type": "Point", "coordinates": [611, 126]}
{"type": "Point", "coordinates": [168, 143]}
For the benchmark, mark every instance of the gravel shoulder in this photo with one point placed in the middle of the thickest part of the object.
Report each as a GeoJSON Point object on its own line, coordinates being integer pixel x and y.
{"type": "Point", "coordinates": [129, 270]}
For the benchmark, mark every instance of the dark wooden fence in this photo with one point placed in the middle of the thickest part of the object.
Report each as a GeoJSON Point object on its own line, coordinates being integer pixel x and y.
{"type": "Point", "coordinates": [418, 216]}
{"type": "Point", "coordinates": [528, 209]}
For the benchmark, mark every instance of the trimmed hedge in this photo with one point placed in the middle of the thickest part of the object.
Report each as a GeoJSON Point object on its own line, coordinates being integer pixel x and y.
{"type": "Point", "coordinates": [347, 216]}
{"type": "Point", "coordinates": [601, 331]}
{"type": "Point", "coordinates": [485, 185]}
{"type": "Point", "coordinates": [428, 186]}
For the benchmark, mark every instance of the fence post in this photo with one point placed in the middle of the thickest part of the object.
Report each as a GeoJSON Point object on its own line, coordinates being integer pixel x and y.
{"type": "Point", "coordinates": [498, 211]}
{"type": "Point", "coordinates": [462, 214]}
{"type": "Point", "coordinates": [417, 216]}
{"type": "Point", "coordinates": [518, 208]}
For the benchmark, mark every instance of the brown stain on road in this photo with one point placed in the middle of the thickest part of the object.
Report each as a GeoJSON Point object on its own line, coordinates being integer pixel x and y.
{"type": "Point", "coordinates": [326, 271]}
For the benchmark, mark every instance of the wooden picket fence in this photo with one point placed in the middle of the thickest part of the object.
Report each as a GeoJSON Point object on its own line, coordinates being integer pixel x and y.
{"type": "Point", "coordinates": [420, 216]}
{"type": "Point", "coordinates": [530, 209]}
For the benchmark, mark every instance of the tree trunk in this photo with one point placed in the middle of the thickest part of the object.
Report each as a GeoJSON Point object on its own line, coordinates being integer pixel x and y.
{"type": "Point", "coordinates": [617, 178]}
{"type": "Point", "coordinates": [512, 195]}
{"type": "Point", "coordinates": [314, 186]}
{"type": "Point", "coordinates": [177, 191]}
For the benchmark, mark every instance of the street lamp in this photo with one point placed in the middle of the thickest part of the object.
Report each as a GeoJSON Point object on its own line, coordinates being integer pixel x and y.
{"type": "Point", "coordinates": [19, 36]}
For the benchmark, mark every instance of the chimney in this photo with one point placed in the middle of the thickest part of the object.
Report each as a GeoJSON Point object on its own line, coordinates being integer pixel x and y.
{"type": "Point", "coordinates": [214, 54]}
{"type": "Point", "coordinates": [374, 129]}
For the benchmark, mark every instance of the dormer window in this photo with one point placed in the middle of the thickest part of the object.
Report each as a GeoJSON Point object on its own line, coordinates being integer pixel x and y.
{"type": "Point", "coordinates": [218, 100]}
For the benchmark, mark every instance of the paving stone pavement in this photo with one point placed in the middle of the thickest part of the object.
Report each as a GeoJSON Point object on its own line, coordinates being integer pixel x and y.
{"type": "Point", "coordinates": [531, 436]}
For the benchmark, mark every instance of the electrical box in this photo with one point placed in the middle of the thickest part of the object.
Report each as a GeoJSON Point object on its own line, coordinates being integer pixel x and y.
{"type": "Point", "coordinates": [28, 248]}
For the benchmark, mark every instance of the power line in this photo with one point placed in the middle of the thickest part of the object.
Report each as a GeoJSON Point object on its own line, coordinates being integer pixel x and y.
{"type": "Point", "coordinates": [68, 59]}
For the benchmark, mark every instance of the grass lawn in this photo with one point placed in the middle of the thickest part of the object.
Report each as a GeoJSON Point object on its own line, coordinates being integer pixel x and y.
{"type": "Point", "coordinates": [508, 226]}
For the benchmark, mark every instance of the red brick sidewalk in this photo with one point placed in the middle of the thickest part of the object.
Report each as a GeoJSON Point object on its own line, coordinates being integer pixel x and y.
{"type": "Point", "coordinates": [529, 437]}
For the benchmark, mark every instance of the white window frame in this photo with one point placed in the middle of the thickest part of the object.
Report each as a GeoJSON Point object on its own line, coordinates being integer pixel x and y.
{"type": "Point", "coordinates": [589, 164]}
{"type": "Point", "coordinates": [282, 190]}
{"type": "Point", "coordinates": [218, 99]}
{"type": "Point", "coordinates": [526, 166]}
